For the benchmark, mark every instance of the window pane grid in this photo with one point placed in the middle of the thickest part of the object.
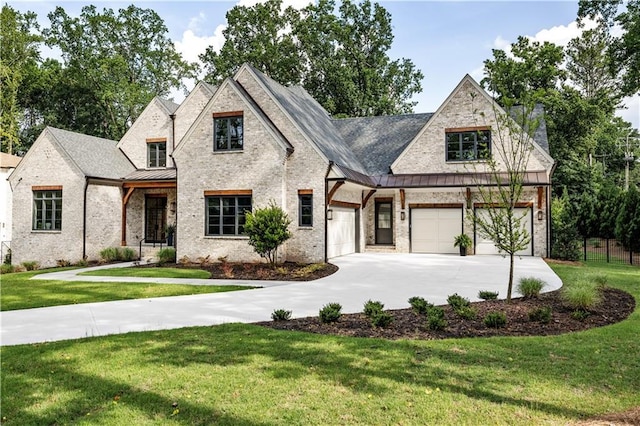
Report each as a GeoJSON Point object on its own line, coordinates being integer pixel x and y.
{"type": "Point", "coordinates": [157, 154]}
{"type": "Point", "coordinates": [466, 146]}
{"type": "Point", "coordinates": [228, 134]}
{"type": "Point", "coordinates": [47, 210]}
{"type": "Point", "coordinates": [226, 215]}
{"type": "Point", "coordinates": [306, 210]}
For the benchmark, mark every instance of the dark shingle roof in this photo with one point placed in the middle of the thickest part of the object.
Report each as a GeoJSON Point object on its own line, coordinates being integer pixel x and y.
{"type": "Point", "coordinates": [378, 141]}
{"type": "Point", "coordinates": [96, 157]}
{"type": "Point", "coordinates": [313, 120]}
{"type": "Point", "coordinates": [169, 105]}
{"type": "Point", "coordinates": [540, 135]}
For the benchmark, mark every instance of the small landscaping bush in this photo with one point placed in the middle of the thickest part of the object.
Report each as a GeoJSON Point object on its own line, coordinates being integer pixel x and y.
{"type": "Point", "coordinates": [581, 294]}
{"type": "Point", "coordinates": [600, 280]}
{"type": "Point", "coordinates": [330, 312]}
{"type": "Point", "coordinates": [61, 263]}
{"type": "Point", "coordinates": [6, 268]}
{"type": "Point", "coordinates": [542, 315]}
{"type": "Point", "coordinates": [457, 302]}
{"type": "Point", "coordinates": [281, 315]}
{"type": "Point", "coordinates": [579, 315]}
{"type": "Point", "coordinates": [435, 319]}
{"type": "Point", "coordinates": [530, 287]}
{"type": "Point", "coordinates": [495, 320]}
{"type": "Point", "coordinates": [167, 255]}
{"type": "Point", "coordinates": [487, 295]}
{"type": "Point", "coordinates": [420, 305]}
{"type": "Point", "coordinates": [372, 308]}
{"type": "Point", "coordinates": [82, 262]}
{"type": "Point", "coordinates": [381, 319]}
{"type": "Point", "coordinates": [128, 254]}
{"type": "Point", "coordinates": [466, 312]}
{"type": "Point", "coordinates": [30, 265]}
{"type": "Point", "coordinates": [109, 254]}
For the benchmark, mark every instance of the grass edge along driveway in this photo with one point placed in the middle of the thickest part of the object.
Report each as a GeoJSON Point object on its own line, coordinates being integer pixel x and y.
{"type": "Point", "coordinates": [239, 374]}
{"type": "Point", "coordinates": [20, 292]}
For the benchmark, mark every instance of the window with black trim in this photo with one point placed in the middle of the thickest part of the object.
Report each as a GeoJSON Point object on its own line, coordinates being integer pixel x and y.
{"type": "Point", "coordinates": [468, 145]}
{"type": "Point", "coordinates": [305, 209]}
{"type": "Point", "coordinates": [156, 154]}
{"type": "Point", "coordinates": [228, 133]}
{"type": "Point", "coordinates": [226, 214]}
{"type": "Point", "coordinates": [47, 210]}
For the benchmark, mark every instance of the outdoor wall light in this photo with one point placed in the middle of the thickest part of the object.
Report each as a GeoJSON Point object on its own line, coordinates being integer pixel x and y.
{"type": "Point", "coordinates": [329, 214]}
{"type": "Point", "coordinates": [403, 215]}
{"type": "Point", "coordinates": [539, 214]}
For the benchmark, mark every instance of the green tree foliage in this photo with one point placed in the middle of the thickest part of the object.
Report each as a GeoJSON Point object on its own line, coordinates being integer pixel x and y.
{"type": "Point", "coordinates": [18, 53]}
{"type": "Point", "coordinates": [565, 237]}
{"type": "Point", "coordinates": [511, 149]}
{"type": "Point", "coordinates": [340, 59]}
{"type": "Point", "coordinates": [260, 35]}
{"type": "Point", "coordinates": [116, 61]}
{"type": "Point", "coordinates": [623, 51]}
{"type": "Point", "coordinates": [627, 228]}
{"type": "Point", "coordinates": [267, 229]}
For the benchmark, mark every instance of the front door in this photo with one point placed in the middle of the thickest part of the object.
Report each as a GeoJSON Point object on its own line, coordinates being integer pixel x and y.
{"type": "Point", "coordinates": [384, 222]}
{"type": "Point", "coordinates": [155, 218]}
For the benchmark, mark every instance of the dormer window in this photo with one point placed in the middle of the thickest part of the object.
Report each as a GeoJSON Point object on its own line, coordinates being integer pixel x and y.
{"type": "Point", "coordinates": [156, 152]}
{"type": "Point", "coordinates": [228, 131]}
{"type": "Point", "coordinates": [468, 144]}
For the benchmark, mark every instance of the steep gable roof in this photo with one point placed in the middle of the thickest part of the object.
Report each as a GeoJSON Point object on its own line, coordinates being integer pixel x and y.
{"type": "Point", "coordinates": [377, 141]}
{"type": "Point", "coordinates": [95, 157]}
{"type": "Point", "coordinates": [169, 105]}
{"type": "Point", "coordinates": [312, 119]}
{"type": "Point", "coordinates": [8, 161]}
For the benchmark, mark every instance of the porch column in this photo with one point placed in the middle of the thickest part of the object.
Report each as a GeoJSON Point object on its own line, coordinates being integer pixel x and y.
{"type": "Point", "coordinates": [125, 200]}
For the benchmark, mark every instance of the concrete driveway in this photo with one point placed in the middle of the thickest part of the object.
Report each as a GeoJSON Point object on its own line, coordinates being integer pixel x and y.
{"type": "Point", "coordinates": [389, 278]}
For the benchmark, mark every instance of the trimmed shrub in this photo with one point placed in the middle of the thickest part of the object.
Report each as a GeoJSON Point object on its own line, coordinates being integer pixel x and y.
{"type": "Point", "coordinates": [330, 312]}
{"type": "Point", "coordinates": [281, 315]}
{"type": "Point", "coordinates": [267, 229]}
{"type": "Point", "coordinates": [435, 319]}
{"type": "Point", "coordinates": [466, 312]}
{"type": "Point", "coordinates": [457, 302]}
{"type": "Point", "coordinates": [488, 295]}
{"type": "Point", "coordinates": [495, 320]}
{"type": "Point", "coordinates": [381, 319]}
{"type": "Point", "coordinates": [420, 305]}
{"type": "Point", "coordinates": [31, 265]}
{"type": "Point", "coordinates": [109, 254]}
{"type": "Point", "coordinates": [542, 315]}
{"type": "Point", "coordinates": [530, 287]}
{"type": "Point", "coordinates": [581, 295]}
{"type": "Point", "coordinates": [372, 308]}
{"type": "Point", "coordinates": [167, 255]}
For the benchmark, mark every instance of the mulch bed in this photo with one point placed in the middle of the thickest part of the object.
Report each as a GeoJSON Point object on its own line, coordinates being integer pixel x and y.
{"type": "Point", "coordinates": [288, 271]}
{"type": "Point", "coordinates": [616, 305]}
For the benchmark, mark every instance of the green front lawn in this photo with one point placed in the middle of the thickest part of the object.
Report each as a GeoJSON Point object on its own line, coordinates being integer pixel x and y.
{"type": "Point", "coordinates": [20, 292]}
{"type": "Point", "coordinates": [247, 375]}
{"type": "Point", "coordinates": [154, 272]}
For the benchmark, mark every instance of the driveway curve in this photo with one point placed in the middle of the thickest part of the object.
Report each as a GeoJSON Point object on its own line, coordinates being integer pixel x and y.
{"type": "Point", "coordinates": [389, 278]}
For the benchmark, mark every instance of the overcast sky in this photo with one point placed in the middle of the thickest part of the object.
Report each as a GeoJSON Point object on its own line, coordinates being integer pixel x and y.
{"type": "Point", "coordinates": [445, 39]}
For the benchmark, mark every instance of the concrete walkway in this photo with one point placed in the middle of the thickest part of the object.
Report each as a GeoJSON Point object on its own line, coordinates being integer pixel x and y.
{"type": "Point", "coordinates": [389, 278]}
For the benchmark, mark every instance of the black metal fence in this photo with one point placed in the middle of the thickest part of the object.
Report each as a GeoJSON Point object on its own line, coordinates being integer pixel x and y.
{"type": "Point", "coordinates": [608, 250]}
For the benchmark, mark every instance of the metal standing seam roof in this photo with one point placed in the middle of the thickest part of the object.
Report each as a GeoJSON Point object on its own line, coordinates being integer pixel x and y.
{"type": "Point", "coordinates": [96, 157]}
{"type": "Point", "coordinates": [152, 174]}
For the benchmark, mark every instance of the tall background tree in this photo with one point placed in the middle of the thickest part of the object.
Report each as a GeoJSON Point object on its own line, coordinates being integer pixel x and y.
{"type": "Point", "coordinates": [18, 55]}
{"type": "Point", "coordinates": [340, 58]}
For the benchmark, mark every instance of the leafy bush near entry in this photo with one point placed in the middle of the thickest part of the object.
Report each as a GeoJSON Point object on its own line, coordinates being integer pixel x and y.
{"type": "Point", "coordinates": [114, 254]}
{"type": "Point", "coordinates": [530, 287]}
{"type": "Point", "coordinates": [487, 295]}
{"type": "Point", "coordinates": [495, 320]}
{"type": "Point", "coordinates": [281, 315]}
{"type": "Point", "coordinates": [330, 312]}
{"type": "Point", "coordinates": [372, 308]}
{"type": "Point", "coordinates": [542, 315]}
{"type": "Point", "coordinates": [457, 302]}
{"type": "Point", "coordinates": [167, 255]}
{"type": "Point", "coordinates": [267, 229]}
{"type": "Point", "coordinates": [420, 305]}
{"type": "Point", "coordinates": [31, 265]}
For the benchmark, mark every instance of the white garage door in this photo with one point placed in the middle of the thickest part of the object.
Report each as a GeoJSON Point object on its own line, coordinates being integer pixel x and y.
{"type": "Point", "coordinates": [341, 232]}
{"type": "Point", "coordinates": [486, 246]}
{"type": "Point", "coordinates": [433, 230]}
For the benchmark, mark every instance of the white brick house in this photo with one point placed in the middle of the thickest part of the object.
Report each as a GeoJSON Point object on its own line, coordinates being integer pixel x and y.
{"type": "Point", "coordinates": [397, 183]}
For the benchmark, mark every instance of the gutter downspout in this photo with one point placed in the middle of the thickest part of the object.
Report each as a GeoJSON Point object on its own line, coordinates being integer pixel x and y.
{"type": "Point", "coordinates": [548, 201]}
{"type": "Point", "coordinates": [84, 219]}
{"type": "Point", "coordinates": [173, 148]}
{"type": "Point", "coordinates": [326, 198]}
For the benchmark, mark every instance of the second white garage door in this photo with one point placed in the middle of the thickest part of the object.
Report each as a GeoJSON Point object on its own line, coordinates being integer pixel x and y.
{"type": "Point", "coordinates": [434, 229]}
{"type": "Point", "coordinates": [341, 232]}
{"type": "Point", "coordinates": [486, 246]}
